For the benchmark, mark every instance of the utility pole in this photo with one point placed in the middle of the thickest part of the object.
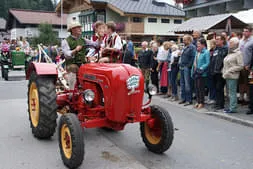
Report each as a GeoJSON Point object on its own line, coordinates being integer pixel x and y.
{"type": "Point", "coordinates": [61, 15]}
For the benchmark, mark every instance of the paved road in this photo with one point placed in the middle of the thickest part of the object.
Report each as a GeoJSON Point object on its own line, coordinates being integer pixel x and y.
{"type": "Point", "coordinates": [201, 141]}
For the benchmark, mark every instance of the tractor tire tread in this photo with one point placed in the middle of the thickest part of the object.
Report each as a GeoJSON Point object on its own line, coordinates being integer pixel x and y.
{"type": "Point", "coordinates": [77, 140]}
{"type": "Point", "coordinates": [168, 131]}
{"type": "Point", "coordinates": [48, 106]}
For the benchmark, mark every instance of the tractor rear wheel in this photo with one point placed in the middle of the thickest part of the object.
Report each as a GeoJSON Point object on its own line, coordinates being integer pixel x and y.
{"type": "Point", "coordinates": [71, 140]}
{"type": "Point", "coordinates": [42, 107]}
{"type": "Point", "coordinates": [158, 132]}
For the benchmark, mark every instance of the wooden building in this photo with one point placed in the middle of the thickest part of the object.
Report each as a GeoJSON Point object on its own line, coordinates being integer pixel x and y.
{"type": "Point", "coordinates": [25, 23]}
{"type": "Point", "coordinates": [140, 19]}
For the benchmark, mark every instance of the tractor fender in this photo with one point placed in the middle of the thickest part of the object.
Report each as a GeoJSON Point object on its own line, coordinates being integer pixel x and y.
{"type": "Point", "coordinates": [42, 69]}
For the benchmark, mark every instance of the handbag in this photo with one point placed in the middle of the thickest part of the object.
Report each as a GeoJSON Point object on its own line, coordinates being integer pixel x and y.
{"type": "Point", "coordinates": [198, 72]}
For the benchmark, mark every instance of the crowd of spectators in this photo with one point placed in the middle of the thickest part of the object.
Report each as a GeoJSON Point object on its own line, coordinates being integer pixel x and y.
{"type": "Point", "coordinates": [217, 66]}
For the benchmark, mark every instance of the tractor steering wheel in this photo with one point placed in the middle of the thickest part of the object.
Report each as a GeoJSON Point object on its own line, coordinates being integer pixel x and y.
{"type": "Point", "coordinates": [93, 54]}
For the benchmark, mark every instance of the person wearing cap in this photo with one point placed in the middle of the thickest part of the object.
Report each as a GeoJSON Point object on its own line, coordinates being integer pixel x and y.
{"type": "Point", "coordinates": [73, 47]}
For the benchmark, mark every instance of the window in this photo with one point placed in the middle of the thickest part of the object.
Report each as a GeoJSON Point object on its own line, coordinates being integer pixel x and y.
{"type": "Point", "coordinates": [153, 20]}
{"type": "Point", "coordinates": [165, 20]}
{"type": "Point", "coordinates": [100, 15]}
{"type": "Point", "coordinates": [137, 19]}
{"type": "Point", "coordinates": [177, 21]}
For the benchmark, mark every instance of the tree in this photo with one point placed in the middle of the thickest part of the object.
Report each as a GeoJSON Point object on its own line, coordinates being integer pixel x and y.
{"type": "Point", "coordinates": [47, 36]}
{"type": "Point", "coordinates": [46, 5]}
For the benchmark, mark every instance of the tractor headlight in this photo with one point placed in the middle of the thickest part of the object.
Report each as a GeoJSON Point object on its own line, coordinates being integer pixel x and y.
{"type": "Point", "coordinates": [88, 95]}
{"type": "Point", "coordinates": [152, 90]}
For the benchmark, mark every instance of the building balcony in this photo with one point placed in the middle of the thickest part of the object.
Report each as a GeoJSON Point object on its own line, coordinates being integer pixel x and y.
{"type": "Point", "coordinates": [132, 27]}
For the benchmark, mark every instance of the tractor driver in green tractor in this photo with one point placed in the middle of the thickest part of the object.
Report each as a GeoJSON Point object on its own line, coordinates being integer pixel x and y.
{"type": "Point", "coordinates": [74, 50]}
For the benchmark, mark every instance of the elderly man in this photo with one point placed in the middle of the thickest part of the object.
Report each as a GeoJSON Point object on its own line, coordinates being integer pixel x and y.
{"type": "Point", "coordinates": [196, 36]}
{"type": "Point", "coordinates": [145, 57]}
{"type": "Point", "coordinates": [73, 47]}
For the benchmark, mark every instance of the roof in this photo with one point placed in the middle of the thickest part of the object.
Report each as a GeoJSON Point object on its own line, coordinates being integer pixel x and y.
{"type": "Point", "coordinates": [201, 4]}
{"type": "Point", "coordinates": [148, 7]}
{"type": "Point", "coordinates": [2, 23]}
{"type": "Point", "coordinates": [207, 22]}
{"type": "Point", "coordinates": [37, 17]}
{"type": "Point", "coordinates": [245, 16]}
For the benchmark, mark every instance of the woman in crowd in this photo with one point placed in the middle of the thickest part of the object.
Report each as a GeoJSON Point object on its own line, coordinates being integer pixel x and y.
{"type": "Point", "coordinates": [154, 64]}
{"type": "Point", "coordinates": [173, 69]}
{"type": "Point", "coordinates": [199, 71]}
{"type": "Point", "coordinates": [233, 64]}
{"type": "Point", "coordinates": [162, 57]}
{"type": "Point", "coordinates": [211, 84]}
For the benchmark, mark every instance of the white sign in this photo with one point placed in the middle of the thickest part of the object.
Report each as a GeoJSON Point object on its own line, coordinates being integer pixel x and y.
{"type": "Point", "coordinates": [28, 33]}
{"type": "Point", "coordinates": [13, 34]}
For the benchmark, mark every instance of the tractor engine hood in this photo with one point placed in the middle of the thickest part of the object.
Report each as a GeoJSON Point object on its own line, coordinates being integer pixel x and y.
{"type": "Point", "coordinates": [122, 86]}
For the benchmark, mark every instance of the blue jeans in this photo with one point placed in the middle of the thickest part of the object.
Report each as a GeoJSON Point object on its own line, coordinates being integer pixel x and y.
{"type": "Point", "coordinates": [186, 84]}
{"type": "Point", "coordinates": [169, 78]}
{"type": "Point", "coordinates": [232, 90]}
{"type": "Point", "coordinates": [211, 87]}
{"type": "Point", "coordinates": [174, 72]}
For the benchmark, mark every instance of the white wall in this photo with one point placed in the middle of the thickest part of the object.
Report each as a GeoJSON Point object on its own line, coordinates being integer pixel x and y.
{"type": "Point", "coordinates": [33, 32]}
{"type": "Point", "coordinates": [159, 27]}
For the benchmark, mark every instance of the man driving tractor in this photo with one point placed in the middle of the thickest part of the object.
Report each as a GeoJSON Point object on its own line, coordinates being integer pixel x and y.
{"type": "Point", "coordinates": [74, 50]}
{"type": "Point", "coordinates": [73, 46]}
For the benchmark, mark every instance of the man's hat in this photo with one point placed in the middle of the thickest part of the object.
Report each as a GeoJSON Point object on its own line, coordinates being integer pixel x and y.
{"type": "Point", "coordinates": [73, 24]}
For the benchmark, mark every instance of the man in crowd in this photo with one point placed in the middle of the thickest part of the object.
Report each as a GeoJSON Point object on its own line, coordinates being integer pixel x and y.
{"type": "Point", "coordinates": [243, 80]}
{"type": "Point", "coordinates": [113, 44]}
{"type": "Point", "coordinates": [145, 57]}
{"type": "Point", "coordinates": [196, 35]}
{"type": "Point", "coordinates": [217, 60]}
{"type": "Point", "coordinates": [248, 63]}
{"type": "Point", "coordinates": [185, 64]}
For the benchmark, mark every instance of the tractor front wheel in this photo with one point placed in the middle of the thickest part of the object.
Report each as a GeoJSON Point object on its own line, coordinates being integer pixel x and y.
{"type": "Point", "coordinates": [157, 132]}
{"type": "Point", "coordinates": [71, 140]}
{"type": "Point", "coordinates": [42, 105]}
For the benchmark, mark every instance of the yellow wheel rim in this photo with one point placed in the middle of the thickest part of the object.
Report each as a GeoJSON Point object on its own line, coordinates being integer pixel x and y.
{"type": "Point", "coordinates": [153, 135]}
{"type": "Point", "coordinates": [66, 141]}
{"type": "Point", "coordinates": [34, 104]}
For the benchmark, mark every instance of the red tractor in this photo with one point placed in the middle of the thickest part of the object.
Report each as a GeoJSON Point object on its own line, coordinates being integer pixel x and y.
{"type": "Point", "coordinates": [105, 96]}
